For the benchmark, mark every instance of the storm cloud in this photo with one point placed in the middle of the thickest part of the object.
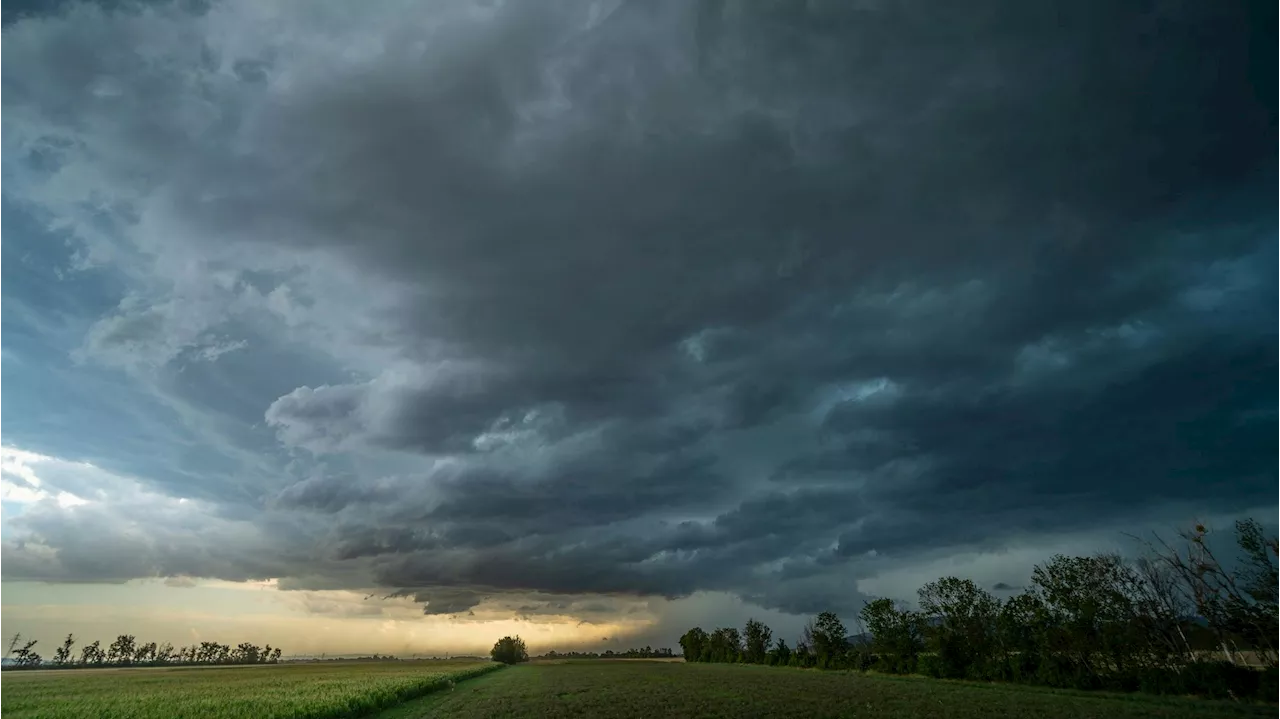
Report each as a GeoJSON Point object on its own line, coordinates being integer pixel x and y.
{"type": "Point", "coordinates": [657, 298]}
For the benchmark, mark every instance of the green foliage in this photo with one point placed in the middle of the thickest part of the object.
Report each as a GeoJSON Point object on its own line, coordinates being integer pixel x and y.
{"type": "Point", "coordinates": [897, 635]}
{"type": "Point", "coordinates": [828, 640]}
{"type": "Point", "coordinates": [509, 650]}
{"type": "Point", "coordinates": [724, 645]}
{"type": "Point", "coordinates": [931, 665]}
{"type": "Point", "coordinates": [1097, 622]}
{"type": "Point", "coordinates": [1269, 684]}
{"type": "Point", "coordinates": [758, 637]}
{"type": "Point", "coordinates": [27, 657]}
{"type": "Point", "coordinates": [1087, 613]}
{"type": "Point", "coordinates": [781, 654]}
{"type": "Point", "coordinates": [961, 623]}
{"type": "Point", "coordinates": [62, 656]}
{"type": "Point", "coordinates": [693, 643]}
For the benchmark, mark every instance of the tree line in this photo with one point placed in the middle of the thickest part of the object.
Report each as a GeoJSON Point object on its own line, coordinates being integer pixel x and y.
{"type": "Point", "coordinates": [1178, 619]}
{"type": "Point", "coordinates": [127, 651]}
{"type": "Point", "coordinates": [645, 652]}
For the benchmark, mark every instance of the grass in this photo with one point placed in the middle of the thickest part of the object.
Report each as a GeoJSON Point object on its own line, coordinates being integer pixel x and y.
{"type": "Point", "coordinates": [301, 691]}
{"type": "Point", "coordinates": [659, 689]}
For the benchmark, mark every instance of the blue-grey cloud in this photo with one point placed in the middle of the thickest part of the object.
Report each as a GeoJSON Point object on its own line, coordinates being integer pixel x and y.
{"type": "Point", "coordinates": [655, 298]}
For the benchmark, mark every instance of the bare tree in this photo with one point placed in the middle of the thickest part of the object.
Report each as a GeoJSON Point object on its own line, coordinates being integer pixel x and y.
{"type": "Point", "coordinates": [1236, 599]}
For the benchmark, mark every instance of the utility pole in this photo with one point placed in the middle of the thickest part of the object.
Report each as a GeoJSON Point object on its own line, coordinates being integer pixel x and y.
{"type": "Point", "coordinates": [17, 638]}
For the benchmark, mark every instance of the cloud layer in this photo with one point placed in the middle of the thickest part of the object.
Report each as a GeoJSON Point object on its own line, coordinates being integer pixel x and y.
{"type": "Point", "coordinates": [623, 298]}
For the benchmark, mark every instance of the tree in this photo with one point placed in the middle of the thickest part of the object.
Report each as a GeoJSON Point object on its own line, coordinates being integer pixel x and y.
{"type": "Point", "coordinates": [1237, 599]}
{"type": "Point", "coordinates": [62, 655]}
{"type": "Point", "coordinates": [758, 637]}
{"type": "Point", "coordinates": [1088, 615]}
{"type": "Point", "coordinates": [92, 654]}
{"type": "Point", "coordinates": [725, 645]}
{"type": "Point", "coordinates": [509, 650]}
{"type": "Point", "coordinates": [121, 650]}
{"type": "Point", "coordinates": [828, 636]}
{"type": "Point", "coordinates": [26, 657]}
{"type": "Point", "coordinates": [165, 653]}
{"type": "Point", "coordinates": [145, 653]}
{"type": "Point", "coordinates": [897, 635]}
{"type": "Point", "coordinates": [781, 654]}
{"type": "Point", "coordinates": [1159, 613]}
{"type": "Point", "coordinates": [961, 619]}
{"type": "Point", "coordinates": [246, 653]}
{"type": "Point", "coordinates": [693, 643]}
{"type": "Point", "coordinates": [1020, 635]}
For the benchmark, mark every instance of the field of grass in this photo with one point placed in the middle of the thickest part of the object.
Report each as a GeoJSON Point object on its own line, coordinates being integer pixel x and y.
{"type": "Point", "coordinates": [310, 691]}
{"type": "Point", "coordinates": [659, 689]}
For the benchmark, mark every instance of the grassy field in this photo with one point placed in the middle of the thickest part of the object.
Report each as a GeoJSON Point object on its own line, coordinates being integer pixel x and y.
{"type": "Point", "coordinates": [311, 691]}
{"type": "Point", "coordinates": [645, 689]}
{"type": "Point", "coordinates": [659, 689]}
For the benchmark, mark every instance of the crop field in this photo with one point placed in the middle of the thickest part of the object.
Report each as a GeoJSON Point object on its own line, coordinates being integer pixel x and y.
{"type": "Point", "coordinates": [305, 691]}
{"type": "Point", "coordinates": [646, 690]}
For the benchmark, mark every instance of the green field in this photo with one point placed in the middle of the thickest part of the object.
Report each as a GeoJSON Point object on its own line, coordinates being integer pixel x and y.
{"type": "Point", "coordinates": [649, 690]}
{"type": "Point", "coordinates": [312, 691]}
{"type": "Point", "coordinates": [612, 688]}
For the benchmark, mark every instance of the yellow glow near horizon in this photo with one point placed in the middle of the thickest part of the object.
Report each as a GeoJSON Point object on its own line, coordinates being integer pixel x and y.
{"type": "Point", "coordinates": [334, 622]}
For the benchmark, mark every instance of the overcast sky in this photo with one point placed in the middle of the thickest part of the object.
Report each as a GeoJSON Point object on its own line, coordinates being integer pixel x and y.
{"type": "Point", "coordinates": [603, 319]}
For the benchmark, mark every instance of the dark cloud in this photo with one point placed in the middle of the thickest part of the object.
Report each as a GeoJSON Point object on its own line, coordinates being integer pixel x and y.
{"type": "Point", "coordinates": [717, 296]}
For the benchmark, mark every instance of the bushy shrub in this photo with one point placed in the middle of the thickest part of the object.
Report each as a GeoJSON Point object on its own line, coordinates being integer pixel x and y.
{"type": "Point", "coordinates": [931, 665]}
{"type": "Point", "coordinates": [509, 650]}
{"type": "Point", "coordinates": [859, 660]}
{"type": "Point", "coordinates": [1268, 684]}
{"type": "Point", "coordinates": [1161, 680]}
{"type": "Point", "coordinates": [1056, 670]}
{"type": "Point", "coordinates": [896, 664]}
{"type": "Point", "coordinates": [1222, 680]}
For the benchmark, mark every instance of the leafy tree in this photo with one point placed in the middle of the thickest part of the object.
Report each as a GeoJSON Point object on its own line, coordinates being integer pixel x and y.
{"type": "Point", "coordinates": [803, 655]}
{"type": "Point", "coordinates": [26, 657]}
{"type": "Point", "coordinates": [92, 654]}
{"type": "Point", "coordinates": [145, 653]}
{"type": "Point", "coordinates": [1020, 635]}
{"type": "Point", "coordinates": [758, 637]}
{"type": "Point", "coordinates": [828, 640]}
{"type": "Point", "coordinates": [246, 653]}
{"type": "Point", "coordinates": [166, 654]}
{"type": "Point", "coordinates": [961, 619]}
{"type": "Point", "coordinates": [509, 650]}
{"type": "Point", "coordinates": [693, 643]}
{"type": "Point", "coordinates": [725, 645]}
{"type": "Point", "coordinates": [122, 649]}
{"type": "Point", "coordinates": [781, 654]}
{"type": "Point", "coordinates": [897, 635]}
{"type": "Point", "coordinates": [62, 656]}
{"type": "Point", "coordinates": [1088, 614]}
